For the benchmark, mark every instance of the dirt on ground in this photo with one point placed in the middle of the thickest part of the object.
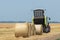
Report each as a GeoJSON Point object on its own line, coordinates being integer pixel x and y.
{"type": "Point", "coordinates": [7, 33]}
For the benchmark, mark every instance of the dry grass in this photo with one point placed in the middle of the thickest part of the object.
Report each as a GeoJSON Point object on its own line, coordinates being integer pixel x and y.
{"type": "Point", "coordinates": [7, 33]}
{"type": "Point", "coordinates": [55, 27]}
{"type": "Point", "coordinates": [7, 25]}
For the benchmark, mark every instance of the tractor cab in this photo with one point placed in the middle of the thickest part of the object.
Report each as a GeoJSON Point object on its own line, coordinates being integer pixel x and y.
{"type": "Point", "coordinates": [40, 18]}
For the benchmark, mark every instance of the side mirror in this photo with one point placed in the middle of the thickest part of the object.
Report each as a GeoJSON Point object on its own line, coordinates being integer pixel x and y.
{"type": "Point", "coordinates": [49, 18]}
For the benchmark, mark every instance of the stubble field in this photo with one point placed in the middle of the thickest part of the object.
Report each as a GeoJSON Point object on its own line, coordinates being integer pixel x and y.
{"type": "Point", "coordinates": [7, 33]}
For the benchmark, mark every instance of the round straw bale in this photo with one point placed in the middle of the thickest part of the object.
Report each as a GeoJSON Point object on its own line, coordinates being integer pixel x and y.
{"type": "Point", "coordinates": [39, 29]}
{"type": "Point", "coordinates": [22, 29]}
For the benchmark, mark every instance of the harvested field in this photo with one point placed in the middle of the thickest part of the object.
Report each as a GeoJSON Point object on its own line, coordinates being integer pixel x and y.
{"type": "Point", "coordinates": [8, 33]}
{"type": "Point", "coordinates": [7, 25]}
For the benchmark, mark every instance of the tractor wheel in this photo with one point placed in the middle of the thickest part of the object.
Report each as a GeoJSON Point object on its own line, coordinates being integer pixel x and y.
{"type": "Point", "coordinates": [46, 29]}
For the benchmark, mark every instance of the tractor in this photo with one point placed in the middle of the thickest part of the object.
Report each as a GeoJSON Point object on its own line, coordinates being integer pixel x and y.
{"type": "Point", "coordinates": [38, 26]}
{"type": "Point", "coordinates": [40, 18]}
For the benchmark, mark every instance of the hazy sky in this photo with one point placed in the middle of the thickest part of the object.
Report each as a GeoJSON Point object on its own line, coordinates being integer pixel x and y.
{"type": "Point", "coordinates": [22, 10]}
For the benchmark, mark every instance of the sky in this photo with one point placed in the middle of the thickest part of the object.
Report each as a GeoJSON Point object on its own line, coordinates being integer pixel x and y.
{"type": "Point", "coordinates": [22, 10]}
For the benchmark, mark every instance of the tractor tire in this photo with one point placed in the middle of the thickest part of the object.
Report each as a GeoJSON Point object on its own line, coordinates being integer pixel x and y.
{"type": "Point", "coordinates": [46, 29]}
